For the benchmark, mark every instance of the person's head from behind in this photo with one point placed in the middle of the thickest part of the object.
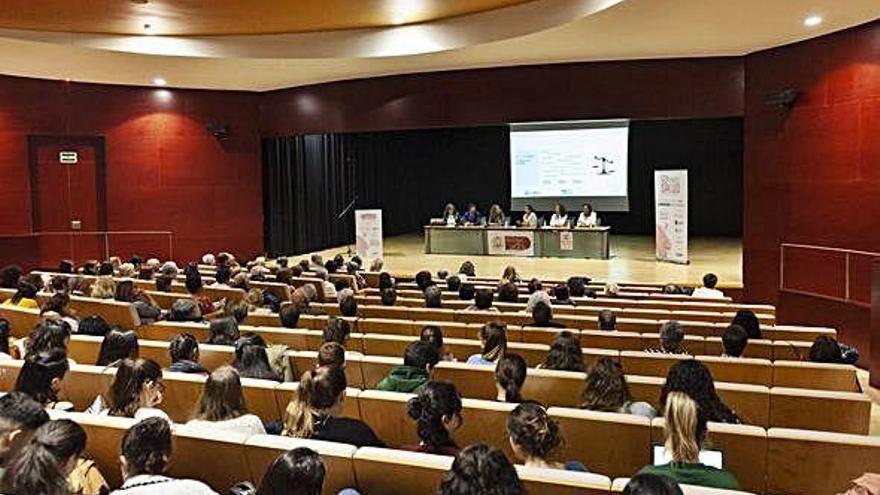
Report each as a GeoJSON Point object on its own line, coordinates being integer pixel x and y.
{"type": "Point", "coordinates": [118, 344]}
{"type": "Point", "coordinates": [146, 448]}
{"type": "Point", "coordinates": [296, 271]}
{"type": "Point", "coordinates": [223, 275]}
{"type": "Point", "coordinates": [348, 305]}
{"type": "Point", "coordinates": [320, 393]}
{"type": "Point", "coordinates": [386, 281]}
{"type": "Point", "coordinates": [184, 347]}
{"type": "Point", "coordinates": [576, 286]}
{"type": "Point", "coordinates": [137, 384]}
{"type": "Point", "coordinates": [42, 375]}
{"type": "Point", "coordinates": [685, 428]}
{"type": "Point", "coordinates": [510, 374]}
{"type": "Point", "coordinates": [421, 355]}
{"type": "Point", "coordinates": [223, 331]}
{"type": "Point", "coordinates": [9, 276]}
{"type": "Point", "coordinates": [607, 320]}
{"type": "Point", "coordinates": [297, 472]}
{"type": "Point", "coordinates": [433, 335]}
{"type": "Point", "coordinates": [163, 283]}
{"type": "Point", "coordinates": [47, 336]}
{"type": "Point", "coordinates": [734, 340]}
{"type": "Point", "coordinates": [534, 435]}
{"type": "Point", "coordinates": [44, 463]}
{"type": "Point", "coordinates": [694, 379]}
{"type": "Point", "coordinates": [542, 313]}
{"type": "Point", "coordinates": [453, 283]}
{"type": "Point", "coordinates": [468, 269]}
{"type": "Point", "coordinates": [749, 322]}
{"type": "Point", "coordinates": [467, 292]}
{"type": "Point", "coordinates": [423, 280]}
{"type": "Point", "coordinates": [5, 331]}
{"type": "Point", "coordinates": [94, 325]}
{"type": "Point", "coordinates": [672, 337]}
{"type": "Point", "coordinates": [331, 354]}
{"type": "Point", "coordinates": [58, 303]}
{"type": "Point", "coordinates": [193, 281]}
{"type": "Point", "coordinates": [388, 296]}
{"type": "Point", "coordinates": [534, 285]}
{"type": "Point", "coordinates": [289, 316]}
{"type": "Point", "coordinates": [481, 469]}
{"type": "Point", "coordinates": [825, 349]}
{"type": "Point", "coordinates": [437, 412]}
{"type": "Point", "coordinates": [565, 353]}
{"type": "Point", "coordinates": [605, 387]}
{"type": "Point", "coordinates": [508, 292]}
{"type": "Point", "coordinates": [710, 280]}
{"type": "Point", "coordinates": [222, 398]}
{"type": "Point", "coordinates": [493, 337]}
{"type": "Point", "coordinates": [105, 269]}
{"type": "Point", "coordinates": [20, 415]}
{"type": "Point", "coordinates": [560, 292]}
{"type": "Point", "coordinates": [25, 290]}
{"type": "Point", "coordinates": [185, 310]}
{"type": "Point", "coordinates": [433, 297]}
{"type": "Point", "coordinates": [652, 484]}
{"type": "Point", "coordinates": [483, 299]}
{"type": "Point", "coordinates": [251, 359]}
{"type": "Point", "coordinates": [337, 330]}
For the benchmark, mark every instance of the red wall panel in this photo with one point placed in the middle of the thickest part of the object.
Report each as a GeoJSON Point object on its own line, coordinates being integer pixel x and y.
{"type": "Point", "coordinates": [165, 172]}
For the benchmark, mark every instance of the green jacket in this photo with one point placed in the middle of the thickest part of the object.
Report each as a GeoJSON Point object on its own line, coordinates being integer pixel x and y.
{"type": "Point", "coordinates": [695, 474]}
{"type": "Point", "coordinates": [406, 379]}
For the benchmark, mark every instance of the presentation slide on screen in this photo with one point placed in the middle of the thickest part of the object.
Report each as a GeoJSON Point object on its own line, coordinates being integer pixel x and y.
{"type": "Point", "coordinates": [570, 163]}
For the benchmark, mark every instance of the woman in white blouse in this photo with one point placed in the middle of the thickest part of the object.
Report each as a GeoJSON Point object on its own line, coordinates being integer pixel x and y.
{"type": "Point", "coordinates": [529, 219]}
{"type": "Point", "coordinates": [560, 217]}
{"type": "Point", "coordinates": [587, 218]}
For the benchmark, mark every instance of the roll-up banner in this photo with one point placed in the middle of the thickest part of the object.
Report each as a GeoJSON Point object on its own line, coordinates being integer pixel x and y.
{"type": "Point", "coordinates": [671, 208]}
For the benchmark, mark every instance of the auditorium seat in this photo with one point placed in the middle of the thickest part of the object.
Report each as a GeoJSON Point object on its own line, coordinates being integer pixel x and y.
{"type": "Point", "coordinates": [105, 441]}
{"type": "Point", "coordinates": [21, 320]}
{"type": "Point", "coordinates": [818, 376]}
{"type": "Point", "coordinates": [260, 451]}
{"type": "Point", "coordinates": [545, 481]}
{"type": "Point", "coordinates": [213, 457]}
{"type": "Point", "coordinates": [843, 412]}
{"type": "Point", "coordinates": [396, 472]}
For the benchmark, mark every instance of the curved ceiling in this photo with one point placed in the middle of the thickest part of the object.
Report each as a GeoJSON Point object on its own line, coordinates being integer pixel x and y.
{"type": "Point", "coordinates": [630, 29]}
{"type": "Point", "coordinates": [228, 17]}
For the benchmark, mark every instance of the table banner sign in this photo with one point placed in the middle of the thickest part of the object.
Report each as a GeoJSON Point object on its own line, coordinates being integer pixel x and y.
{"type": "Point", "coordinates": [511, 243]}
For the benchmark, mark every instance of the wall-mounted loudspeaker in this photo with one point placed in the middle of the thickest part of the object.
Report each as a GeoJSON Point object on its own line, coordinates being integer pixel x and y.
{"type": "Point", "coordinates": [218, 130]}
{"type": "Point", "coordinates": [784, 98]}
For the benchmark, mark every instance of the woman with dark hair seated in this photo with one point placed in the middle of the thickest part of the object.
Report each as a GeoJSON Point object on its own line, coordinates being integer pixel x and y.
{"type": "Point", "coordinates": [565, 353]}
{"type": "Point", "coordinates": [251, 360]}
{"type": "Point", "coordinates": [437, 412]}
{"type": "Point", "coordinates": [535, 437]}
{"type": "Point", "coordinates": [297, 472]}
{"type": "Point", "coordinates": [42, 377]}
{"type": "Point", "coordinates": [116, 346]}
{"type": "Point", "coordinates": [25, 296]}
{"type": "Point", "coordinates": [691, 377]}
{"type": "Point", "coordinates": [481, 469]}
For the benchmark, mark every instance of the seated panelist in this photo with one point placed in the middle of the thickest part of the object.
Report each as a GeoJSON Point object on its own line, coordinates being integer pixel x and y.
{"type": "Point", "coordinates": [560, 216]}
{"type": "Point", "coordinates": [471, 216]}
{"type": "Point", "coordinates": [587, 218]}
{"type": "Point", "coordinates": [529, 219]}
{"type": "Point", "coordinates": [450, 214]}
{"type": "Point", "coordinates": [496, 215]}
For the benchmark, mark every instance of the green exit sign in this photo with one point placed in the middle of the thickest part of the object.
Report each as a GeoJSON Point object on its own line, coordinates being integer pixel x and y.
{"type": "Point", "coordinates": [68, 157]}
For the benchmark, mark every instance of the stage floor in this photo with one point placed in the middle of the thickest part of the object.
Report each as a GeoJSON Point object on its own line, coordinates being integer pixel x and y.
{"type": "Point", "coordinates": [632, 259]}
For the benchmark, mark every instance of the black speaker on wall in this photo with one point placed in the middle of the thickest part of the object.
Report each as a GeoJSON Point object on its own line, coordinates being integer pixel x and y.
{"type": "Point", "coordinates": [784, 98]}
{"type": "Point", "coordinates": [218, 130]}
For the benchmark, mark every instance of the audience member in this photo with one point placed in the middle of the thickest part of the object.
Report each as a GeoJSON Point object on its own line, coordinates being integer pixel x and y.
{"type": "Point", "coordinates": [237, 310]}
{"type": "Point", "coordinates": [467, 292]}
{"type": "Point", "coordinates": [482, 301]}
{"type": "Point", "coordinates": [607, 320]}
{"type": "Point", "coordinates": [331, 354]}
{"type": "Point", "coordinates": [222, 407]}
{"type": "Point", "coordinates": [42, 376]}
{"type": "Point", "coordinates": [297, 472]}
{"type": "Point", "coordinates": [437, 412]}
{"type": "Point", "coordinates": [118, 345]}
{"type": "Point", "coordinates": [652, 484]}
{"type": "Point", "coordinates": [606, 390]}
{"type": "Point", "coordinates": [434, 336]}
{"type": "Point", "coordinates": [20, 415]}
{"type": "Point", "coordinates": [433, 297]}
{"type": "Point", "coordinates": [222, 277]}
{"type": "Point", "coordinates": [467, 269]}
{"type": "Point", "coordinates": [5, 331]}
{"type": "Point", "coordinates": [510, 275]}
{"type": "Point", "coordinates": [611, 289]}
{"type": "Point", "coordinates": [251, 359]}
{"type": "Point", "coordinates": [577, 286]}
{"type": "Point", "coordinates": [163, 283]}
{"type": "Point", "coordinates": [388, 296]}
{"type": "Point", "coordinates": [103, 288]}
{"type": "Point", "coordinates": [535, 438]}
{"type": "Point", "coordinates": [542, 316]}
{"type": "Point", "coordinates": [453, 283]}
{"type": "Point", "coordinates": [185, 310]}
{"type": "Point", "coordinates": [147, 309]}
{"type": "Point", "coordinates": [694, 379]}
{"type": "Point", "coordinates": [671, 339]}
{"type": "Point", "coordinates": [376, 265]}
{"type": "Point", "coordinates": [135, 392]}
{"type": "Point", "coordinates": [47, 336]}
{"type": "Point", "coordinates": [734, 340]}
{"type": "Point", "coordinates": [25, 297]}
{"type": "Point", "coordinates": [223, 331]}
{"type": "Point", "coordinates": [289, 315]}
{"type": "Point", "coordinates": [749, 322]}
{"type": "Point", "coordinates": [386, 281]}
{"type": "Point", "coordinates": [510, 375]}
{"type": "Point", "coordinates": [348, 305]}
{"type": "Point", "coordinates": [184, 350]}
{"type": "Point", "coordinates": [94, 325]}
{"type": "Point", "coordinates": [561, 295]}
{"type": "Point", "coordinates": [423, 280]}
{"type": "Point", "coordinates": [481, 469]}
{"type": "Point", "coordinates": [508, 292]}
{"type": "Point", "coordinates": [59, 304]}
{"type": "Point", "coordinates": [708, 290]}
{"type": "Point", "coordinates": [493, 336]}
{"type": "Point", "coordinates": [534, 285]}
{"type": "Point", "coordinates": [10, 276]}
{"type": "Point", "coordinates": [418, 365]}
{"type": "Point", "coordinates": [535, 298]}
{"type": "Point", "coordinates": [565, 353]}
{"type": "Point", "coordinates": [826, 350]}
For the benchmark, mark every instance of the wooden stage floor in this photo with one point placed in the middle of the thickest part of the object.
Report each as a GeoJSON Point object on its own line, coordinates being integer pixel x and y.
{"type": "Point", "coordinates": [632, 260]}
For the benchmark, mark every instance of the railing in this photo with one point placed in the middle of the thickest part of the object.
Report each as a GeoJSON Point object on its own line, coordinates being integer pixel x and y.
{"type": "Point", "coordinates": [835, 274]}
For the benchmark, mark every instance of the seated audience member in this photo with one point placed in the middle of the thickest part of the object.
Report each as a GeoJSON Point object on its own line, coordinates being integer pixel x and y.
{"type": "Point", "coordinates": [565, 353]}
{"type": "Point", "coordinates": [331, 354]}
{"type": "Point", "coordinates": [493, 336]}
{"type": "Point", "coordinates": [510, 275]}
{"type": "Point", "coordinates": [734, 340]}
{"type": "Point", "coordinates": [163, 283]}
{"type": "Point", "coordinates": [146, 455]}
{"type": "Point", "coordinates": [508, 292]}
{"type": "Point", "coordinates": [145, 274]}
{"type": "Point", "coordinates": [388, 296]}
{"type": "Point", "coordinates": [185, 310]}
{"type": "Point", "coordinates": [241, 280]}
{"type": "Point", "coordinates": [534, 285]}
{"type": "Point", "coordinates": [94, 325]}
{"type": "Point", "coordinates": [467, 292]}
{"type": "Point", "coordinates": [337, 330]}
{"type": "Point", "coordinates": [302, 298]}
{"type": "Point", "coordinates": [222, 277]}
{"type": "Point", "coordinates": [535, 298]}
{"type": "Point", "coordinates": [223, 331]}
{"type": "Point", "coordinates": [685, 429]}
{"type": "Point", "coordinates": [251, 359]}
{"type": "Point", "coordinates": [542, 316]}
{"type": "Point", "coordinates": [577, 287]}
{"type": "Point", "coordinates": [376, 265]}
{"type": "Point", "coordinates": [36, 280]}
{"type": "Point", "coordinates": [50, 464]}
{"type": "Point", "coordinates": [671, 339]}
{"type": "Point", "coordinates": [482, 301]}
{"type": "Point", "coordinates": [433, 297]}
{"type": "Point", "coordinates": [708, 290]}
{"type": "Point", "coordinates": [237, 310]}
{"type": "Point", "coordinates": [209, 259]}
{"type": "Point", "coordinates": [386, 281]}
{"type": "Point", "coordinates": [116, 346]}
{"type": "Point", "coordinates": [135, 392]}
{"type": "Point", "coordinates": [289, 316]}
{"type": "Point", "coordinates": [749, 322]}
{"type": "Point", "coordinates": [694, 379]}
{"type": "Point", "coordinates": [348, 305]}
{"type": "Point", "coordinates": [418, 364]}
{"type": "Point", "coordinates": [59, 303]}
{"type": "Point", "coordinates": [103, 288]}
{"type": "Point", "coordinates": [535, 438]}
{"type": "Point", "coordinates": [314, 411]}
{"type": "Point", "coordinates": [561, 296]}
{"type": "Point", "coordinates": [607, 320]}
{"type": "Point", "coordinates": [42, 376]}
{"type": "Point", "coordinates": [510, 374]}
{"type": "Point", "coordinates": [297, 472]}
{"type": "Point", "coordinates": [611, 289]}
{"type": "Point", "coordinates": [47, 336]}
{"type": "Point", "coordinates": [25, 297]}
{"type": "Point", "coordinates": [453, 283]}
{"type": "Point", "coordinates": [284, 276]}
{"type": "Point", "coordinates": [296, 271]}
{"type": "Point", "coordinates": [222, 406]}
{"type": "Point", "coordinates": [184, 350]}
{"type": "Point", "coordinates": [826, 349]}
{"type": "Point", "coordinates": [10, 276]}
{"type": "Point", "coordinates": [327, 286]}
{"type": "Point", "coordinates": [437, 412]}
{"type": "Point", "coordinates": [423, 280]}
{"type": "Point", "coordinates": [59, 284]}
{"type": "Point", "coordinates": [20, 415]}
{"type": "Point", "coordinates": [147, 309]}
{"type": "Point", "coordinates": [5, 331]}
{"type": "Point", "coordinates": [467, 269]}
{"type": "Point", "coordinates": [482, 469]}
{"type": "Point", "coordinates": [606, 390]}
{"type": "Point", "coordinates": [652, 484]}
{"type": "Point", "coordinates": [195, 288]}
{"type": "Point", "coordinates": [126, 270]}
{"type": "Point", "coordinates": [434, 336]}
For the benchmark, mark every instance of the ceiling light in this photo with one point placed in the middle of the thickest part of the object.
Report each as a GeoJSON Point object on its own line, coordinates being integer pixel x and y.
{"type": "Point", "coordinates": [813, 20]}
{"type": "Point", "coordinates": [160, 81]}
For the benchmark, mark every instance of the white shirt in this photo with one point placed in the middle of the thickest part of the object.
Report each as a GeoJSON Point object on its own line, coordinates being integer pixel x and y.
{"type": "Point", "coordinates": [558, 220]}
{"type": "Point", "coordinates": [587, 220]}
{"type": "Point", "coordinates": [148, 484]}
{"type": "Point", "coordinates": [248, 424]}
{"type": "Point", "coordinates": [530, 220]}
{"type": "Point", "coordinates": [708, 293]}
{"type": "Point", "coordinates": [329, 290]}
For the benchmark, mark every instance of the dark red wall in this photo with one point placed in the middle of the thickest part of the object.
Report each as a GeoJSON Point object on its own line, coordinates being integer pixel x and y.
{"type": "Point", "coordinates": [164, 170]}
{"type": "Point", "coordinates": [648, 89]}
{"type": "Point", "coordinates": [812, 176]}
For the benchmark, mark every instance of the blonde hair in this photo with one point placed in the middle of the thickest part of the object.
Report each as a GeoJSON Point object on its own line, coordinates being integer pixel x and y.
{"type": "Point", "coordinates": [103, 288]}
{"type": "Point", "coordinates": [319, 391]}
{"type": "Point", "coordinates": [683, 428]}
{"type": "Point", "coordinates": [222, 397]}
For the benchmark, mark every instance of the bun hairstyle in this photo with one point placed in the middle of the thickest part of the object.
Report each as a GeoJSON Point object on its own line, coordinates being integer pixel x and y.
{"type": "Point", "coordinates": [685, 427]}
{"type": "Point", "coordinates": [481, 469]}
{"type": "Point", "coordinates": [146, 447]}
{"type": "Point", "coordinates": [437, 402]}
{"type": "Point", "coordinates": [493, 335]}
{"type": "Point", "coordinates": [510, 373]}
{"type": "Point", "coordinates": [319, 391]}
{"type": "Point", "coordinates": [37, 467]}
{"type": "Point", "coordinates": [532, 431]}
{"type": "Point", "coordinates": [38, 372]}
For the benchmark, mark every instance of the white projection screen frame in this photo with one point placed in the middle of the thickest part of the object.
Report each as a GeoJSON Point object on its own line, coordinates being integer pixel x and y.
{"type": "Point", "coordinates": [563, 162]}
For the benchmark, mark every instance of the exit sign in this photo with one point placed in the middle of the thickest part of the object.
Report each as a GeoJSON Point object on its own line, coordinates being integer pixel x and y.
{"type": "Point", "coordinates": [68, 157]}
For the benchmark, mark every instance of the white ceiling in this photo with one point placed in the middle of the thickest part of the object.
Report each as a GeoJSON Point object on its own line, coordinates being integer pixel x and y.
{"type": "Point", "coordinates": [631, 29]}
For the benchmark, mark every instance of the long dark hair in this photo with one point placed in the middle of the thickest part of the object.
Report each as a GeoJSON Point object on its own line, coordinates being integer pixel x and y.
{"type": "Point", "coordinates": [297, 472]}
{"type": "Point", "coordinates": [131, 377]}
{"type": "Point", "coordinates": [223, 331]}
{"type": "Point", "coordinates": [25, 290]}
{"type": "Point", "coordinates": [5, 329]}
{"type": "Point", "coordinates": [117, 345]}
{"type": "Point", "coordinates": [493, 335]}
{"type": "Point", "coordinates": [35, 377]}
{"type": "Point", "coordinates": [437, 402]}
{"type": "Point", "coordinates": [319, 391]}
{"type": "Point", "coordinates": [605, 388]}
{"type": "Point", "coordinates": [251, 359]}
{"type": "Point", "coordinates": [58, 303]}
{"type": "Point", "coordinates": [48, 335]}
{"type": "Point", "coordinates": [481, 470]}
{"type": "Point", "coordinates": [533, 431]}
{"type": "Point", "coordinates": [37, 467]}
{"type": "Point", "coordinates": [510, 373]}
{"type": "Point", "coordinates": [692, 378]}
{"type": "Point", "coordinates": [146, 447]}
{"type": "Point", "coordinates": [565, 353]}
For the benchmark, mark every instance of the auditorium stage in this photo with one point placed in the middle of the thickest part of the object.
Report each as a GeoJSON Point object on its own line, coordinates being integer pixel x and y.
{"type": "Point", "coordinates": [632, 259]}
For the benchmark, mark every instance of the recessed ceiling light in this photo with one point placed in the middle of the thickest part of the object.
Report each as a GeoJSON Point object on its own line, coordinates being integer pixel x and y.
{"type": "Point", "coordinates": [160, 81]}
{"type": "Point", "coordinates": [813, 20]}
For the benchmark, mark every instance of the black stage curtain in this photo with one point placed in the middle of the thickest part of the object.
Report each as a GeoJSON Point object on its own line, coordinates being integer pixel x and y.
{"type": "Point", "coordinates": [410, 175]}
